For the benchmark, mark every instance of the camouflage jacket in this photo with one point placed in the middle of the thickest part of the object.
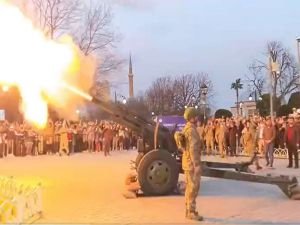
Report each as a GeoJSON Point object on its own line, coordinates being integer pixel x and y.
{"type": "Point", "coordinates": [191, 156]}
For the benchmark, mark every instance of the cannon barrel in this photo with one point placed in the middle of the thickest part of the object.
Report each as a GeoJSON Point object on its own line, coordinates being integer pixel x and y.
{"type": "Point", "coordinates": [146, 128]}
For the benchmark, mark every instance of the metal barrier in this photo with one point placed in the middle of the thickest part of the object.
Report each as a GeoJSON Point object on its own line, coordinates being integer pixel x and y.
{"type": "Point", "coordinates": [19, 203]}
{"type": "Point", "coordinates": [279, 153]}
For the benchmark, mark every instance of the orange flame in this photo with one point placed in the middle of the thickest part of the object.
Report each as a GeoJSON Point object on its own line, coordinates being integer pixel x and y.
{"type": "Point", "coordinates": [32, 62]}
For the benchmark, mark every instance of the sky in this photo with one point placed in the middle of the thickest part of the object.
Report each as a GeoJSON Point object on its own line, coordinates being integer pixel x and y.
{"type": "Point", "coordinates": [219, 37]}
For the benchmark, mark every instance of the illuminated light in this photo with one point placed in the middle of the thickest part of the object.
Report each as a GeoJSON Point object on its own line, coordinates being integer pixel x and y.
{"type": "Point", "coordinates": [5, 88]}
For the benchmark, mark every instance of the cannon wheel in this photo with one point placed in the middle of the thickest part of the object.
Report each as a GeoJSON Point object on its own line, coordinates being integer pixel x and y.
{"type": "Point", "coordinates": [158, 173]}
{"type": "Point", "coordinates": [138, 159]}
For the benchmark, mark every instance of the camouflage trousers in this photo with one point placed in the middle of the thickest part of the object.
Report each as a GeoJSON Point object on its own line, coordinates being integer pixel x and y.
{"type": "Point", "coordinates": [192, 179]}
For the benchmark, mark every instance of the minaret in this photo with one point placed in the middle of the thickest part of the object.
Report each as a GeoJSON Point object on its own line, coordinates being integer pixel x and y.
{"type": "Point", "coordinates": [130, 77]}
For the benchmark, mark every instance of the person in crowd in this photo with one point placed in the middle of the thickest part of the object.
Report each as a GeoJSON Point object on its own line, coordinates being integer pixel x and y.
{"type": "Point", "coordinates": [201, 132]}
{"type": "Point", "coordinates": [220, 138]}
{"type": "Point", "coordinates": [209, 138]}
{"type": "Point", "coordinates": [64, 141]}
{"type": "Point", "coordinates": [107, 139]}
{"type": "Point", "coordinates": [269, 135]}
{"type": "Point", "coordinates": [260, 138]}
{"type": "Point", "coordinates": [248, 139]}
{"type": "Point", "coordinates": [49, 138]}
{"type": "Point", "coordinates": [232, 138]}
{"type": "Point", "coordinates": [291, 140]}
{"type": "Point", "coordinates": [91, 137]}
{"type": "Point", "coordinates": [121, 138]}
{"type": "Point", "coordinates": [29, 141]}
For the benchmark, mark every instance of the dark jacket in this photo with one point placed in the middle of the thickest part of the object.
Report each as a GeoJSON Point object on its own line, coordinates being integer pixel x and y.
{"type": "Point", "coordinates": [233, 131]}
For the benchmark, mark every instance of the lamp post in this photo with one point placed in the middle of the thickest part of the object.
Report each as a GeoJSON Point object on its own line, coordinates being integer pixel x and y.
{"type": "Point", "coordinates": [250, 97]}
{"type": "Point", "coordinates": [274, 72]}
{"type": "Point", "coordinates": [298, 53]}
{"type": "Point", "coordinates": [298, 49]}
{"type": "Point", "coordinates": [204, 90]}
{"type": "Point", "coordinates": [124, 100]}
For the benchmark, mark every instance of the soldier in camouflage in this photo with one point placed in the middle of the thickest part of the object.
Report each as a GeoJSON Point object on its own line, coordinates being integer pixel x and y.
{"type": "Point", "coordinates": [191, 163]}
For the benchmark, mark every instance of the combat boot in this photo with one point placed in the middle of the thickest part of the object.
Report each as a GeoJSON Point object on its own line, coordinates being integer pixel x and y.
{"type": "Point", "coordinates": [194, 216]}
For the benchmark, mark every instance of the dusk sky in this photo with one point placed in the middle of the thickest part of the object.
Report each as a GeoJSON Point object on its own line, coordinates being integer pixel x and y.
{"type": "Point", "coordinates": [221, 38]}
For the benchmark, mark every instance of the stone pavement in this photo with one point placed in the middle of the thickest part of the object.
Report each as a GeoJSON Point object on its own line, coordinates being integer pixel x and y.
{"type": "Point", "coordinates": [87, 188]}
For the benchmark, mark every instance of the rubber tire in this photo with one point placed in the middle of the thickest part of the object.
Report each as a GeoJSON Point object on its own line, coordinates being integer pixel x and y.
{"type": "Point", "coordinates": [138, 159]}
{"type": "Point", "coordinates": [147, 160]}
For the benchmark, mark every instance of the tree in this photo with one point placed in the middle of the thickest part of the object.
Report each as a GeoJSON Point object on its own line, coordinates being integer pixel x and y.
{"type": "Point", "coordinates": [284, 110]}
{"type": "Point", "coordinates": [220, 113]}
{"type": "Point", "coordinates": [188, 90]}
{"type": "Point", "coordinates": [256, 79]}
{"type": "Point", "coordinates": [160, 95]}
{"type": "Point", "coordinates": [101, 90]}
{"type": "Point", "coordinates": [55, 17]}
{"type": "Point", "coordinates": [90, 24]}
{"type": "Point", "coordinates": [237, 85]}
{"type": "Point", "coordinates": [285, 79]}
{"type": "Point", "coordinates": [96, 36]}
{"type": "Point", "coordinates": [294, 101]}
{"type": "Point", "coordinates": [263, 105]}
{"type": "Point", "coordinates": [138, 105]}
{"type": "Point", "coordinates": [170, 95]}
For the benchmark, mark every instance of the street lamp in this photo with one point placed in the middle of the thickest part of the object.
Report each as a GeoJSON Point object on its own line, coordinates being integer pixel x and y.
{"type": "Point", "coordinates": [250, 97]}
{"type": "Point", "coordinates": [124, 101]}
{"type": "Point", "coordinates": [204, 91]}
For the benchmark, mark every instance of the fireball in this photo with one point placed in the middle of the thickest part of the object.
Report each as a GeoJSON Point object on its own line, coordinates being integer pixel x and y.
{"type": "Point", "coordinates": [32, 62]}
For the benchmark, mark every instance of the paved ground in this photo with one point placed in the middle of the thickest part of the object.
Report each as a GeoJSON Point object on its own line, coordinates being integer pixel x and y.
{"type": "Point", "coordinates": [86, 188]}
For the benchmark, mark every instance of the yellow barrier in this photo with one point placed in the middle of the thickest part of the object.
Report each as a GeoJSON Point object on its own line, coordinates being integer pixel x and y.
{"type": "Point", "coordinates": [19, 203]}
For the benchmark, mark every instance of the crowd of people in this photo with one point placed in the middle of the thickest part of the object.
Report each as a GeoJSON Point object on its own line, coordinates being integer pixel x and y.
{"type": "Point", "coordinates": [64, 138]}
{"type": "Point", "coordinates": [227, 137]}
{"type": "Point", "coordinates": [255, 135]}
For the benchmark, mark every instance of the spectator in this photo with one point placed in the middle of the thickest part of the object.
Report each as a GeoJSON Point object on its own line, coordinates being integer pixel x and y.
{"type": "Point", "coordinates": [292, 142]}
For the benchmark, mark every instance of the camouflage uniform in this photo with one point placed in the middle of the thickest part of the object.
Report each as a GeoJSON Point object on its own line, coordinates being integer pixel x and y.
{"type": "Point", "coordinates": [191, 164]}
{"type": "Point", "coordinates": [200, 130]}
{"type": "Point", "coordinates": [220, 138]}
{"type": "Point", "coordinates": [209, 139]}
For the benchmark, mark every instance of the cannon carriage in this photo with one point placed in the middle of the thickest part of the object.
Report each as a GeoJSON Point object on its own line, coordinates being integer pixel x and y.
{"type": "Point", "coordinates": [158, 163]}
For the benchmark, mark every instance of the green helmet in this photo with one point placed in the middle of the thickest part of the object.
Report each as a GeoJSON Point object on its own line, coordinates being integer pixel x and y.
{"type": "Point", "coordinates": [189, 113]}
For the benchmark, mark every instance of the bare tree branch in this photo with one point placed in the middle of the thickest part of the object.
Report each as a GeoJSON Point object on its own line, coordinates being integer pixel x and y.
{"type": "Point", "coordinates": [286, 78]}
{"type": "Point", "coordinates": [56, 16]}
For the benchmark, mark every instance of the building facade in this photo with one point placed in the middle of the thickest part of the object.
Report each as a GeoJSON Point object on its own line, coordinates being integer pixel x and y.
{"type": "Point", "coordinates": [245, 109]}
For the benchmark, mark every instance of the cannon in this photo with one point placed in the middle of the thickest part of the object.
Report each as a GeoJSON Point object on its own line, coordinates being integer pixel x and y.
{"type": "Point", "coordinates": [158, 162]}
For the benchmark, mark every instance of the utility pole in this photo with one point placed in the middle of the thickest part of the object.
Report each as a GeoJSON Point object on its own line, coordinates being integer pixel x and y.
{"type": "Point", "coordinates": [271, 88]}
